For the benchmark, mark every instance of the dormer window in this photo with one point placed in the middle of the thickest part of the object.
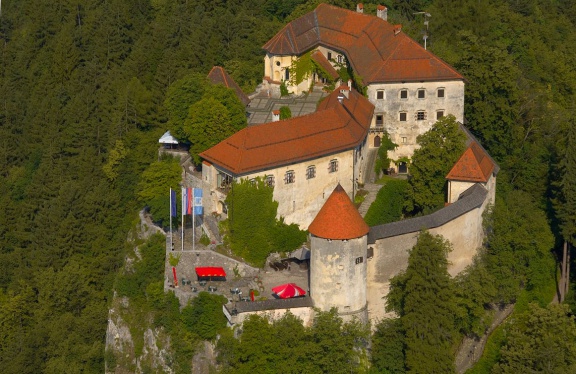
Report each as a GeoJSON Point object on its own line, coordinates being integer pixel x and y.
{"type": "Point", "coordinates": [421, 93]}
{"type": "Point", "coordinates": [403, 94]}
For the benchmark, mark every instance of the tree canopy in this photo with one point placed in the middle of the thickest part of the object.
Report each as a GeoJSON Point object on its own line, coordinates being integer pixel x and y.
{"type": "Point", "coordinates": [440, 148]}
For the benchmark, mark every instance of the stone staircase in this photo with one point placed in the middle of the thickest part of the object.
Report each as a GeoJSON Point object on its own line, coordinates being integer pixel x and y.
{"type": "Point", "coordinates": [372, 189]}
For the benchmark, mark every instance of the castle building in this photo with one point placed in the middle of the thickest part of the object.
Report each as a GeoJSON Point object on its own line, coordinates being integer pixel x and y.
{"type": "Point", "coordinates": [408, 85]}
{"type": "Point", "coordinates": [304, 158]}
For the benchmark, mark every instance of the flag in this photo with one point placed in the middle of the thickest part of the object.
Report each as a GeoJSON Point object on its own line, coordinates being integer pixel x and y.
{"type": "Point", "coordinates": [173, 210]}
{"type": "Point", "coordinates": [197, 201]}
{"type": "Point", "coordinates": [188, 201]}
{"type": "Point", "coordinates": [184, 201]}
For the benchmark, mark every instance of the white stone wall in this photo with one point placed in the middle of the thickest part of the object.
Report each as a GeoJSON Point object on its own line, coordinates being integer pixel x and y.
{"type": "Point", "coordinates": [404, 133]}
{"type": "Point", "coordinates": [391, 255]}
{"type": "Point", "coordinates": [306, 314]}
{"type": "Point", "coordinates": [336, 277]}
{"type": "Point", "coordinates": [455, 188]}
{"type": "Point", "coordinates": [299, 202]}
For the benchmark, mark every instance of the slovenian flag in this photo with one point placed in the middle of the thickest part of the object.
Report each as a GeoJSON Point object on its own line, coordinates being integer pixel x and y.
{"type": "Point", "coordinates": [197, 201]}
{"type": "Point", "coordinates": [188, 201]}
{"type": "Point", "coordinates": [173, 211]}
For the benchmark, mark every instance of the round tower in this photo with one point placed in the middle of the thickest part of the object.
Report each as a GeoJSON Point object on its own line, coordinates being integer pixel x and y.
{"type": "Point", "coordinates": [338, 246]}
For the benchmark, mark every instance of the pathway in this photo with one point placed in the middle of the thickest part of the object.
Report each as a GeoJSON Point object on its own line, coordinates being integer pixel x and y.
{"type": "Point", "coordinates": [372, 189]}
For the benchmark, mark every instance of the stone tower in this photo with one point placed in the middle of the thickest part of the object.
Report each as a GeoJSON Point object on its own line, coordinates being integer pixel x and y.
{"type": "Point", "coordinates": [338, 237]}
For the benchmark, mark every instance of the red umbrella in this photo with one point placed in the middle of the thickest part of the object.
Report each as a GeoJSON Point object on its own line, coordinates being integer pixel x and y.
{"type": "Point", "coordinates": [288, 290]}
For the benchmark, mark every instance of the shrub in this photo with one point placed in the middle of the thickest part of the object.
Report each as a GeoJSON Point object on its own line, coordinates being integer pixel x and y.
{"type": "Point", "coordinates": [388, 204]}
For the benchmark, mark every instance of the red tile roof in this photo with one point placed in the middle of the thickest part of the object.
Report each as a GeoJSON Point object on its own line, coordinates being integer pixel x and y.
{"type": "Point", "coordinates": [338, 218]}
{"type": "Point", "coordinates": [473, 166]}
{"type": "Point", "coordinates": [219, 76]}
{"type": "Point", "coordinates": [325, 64]}
{"type": "Point", "coordinates": [334, 127]}
{"type": "Point", "coordinates": [376, 52]}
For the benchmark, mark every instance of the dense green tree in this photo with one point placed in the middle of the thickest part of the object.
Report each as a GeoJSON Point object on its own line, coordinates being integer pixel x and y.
{"type": "Point", "coordinates": [204, 316]}
{"type": "Point", "coordinates": [328, 346]}
{"type": "Point", "coordinates": [154, 187]}
{"type": "Point", "coordinates": [440, 148]}
{"type": "Point", "coordinates": [388, 347]}
{"type": "Point", "coordinates": [565, 203]}
{"type": "Point", "coordinates": [423, 296]}
{"type": "Point", "coordinates": [518, 245]}
{"type": "Point", "coordinates": [389, 203]}
{"type": "Point", "coordinates": [218, 115]}
{"type": "Point", "coordinates": [542, 340]}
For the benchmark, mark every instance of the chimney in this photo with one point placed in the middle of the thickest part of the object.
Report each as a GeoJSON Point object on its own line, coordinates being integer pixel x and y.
{"type": "Point", "coordinates": [275, 115]}
{"type": "Point", "coordinates": [350, 83]}
{"type": "Point", "coordinates": [397, 29]}
{"type": "Point", "coordinates": [344, 91]}
{"type": "Point", "coordinates": [340, 98]}
{"type": "Point", "coordinates": [382, 12]}
{"type": "Point", "coordinates": [360, 8]}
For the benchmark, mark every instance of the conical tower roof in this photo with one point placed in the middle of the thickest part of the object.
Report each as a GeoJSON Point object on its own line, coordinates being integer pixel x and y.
{"type": "Point", "coordinates": [338, 219]}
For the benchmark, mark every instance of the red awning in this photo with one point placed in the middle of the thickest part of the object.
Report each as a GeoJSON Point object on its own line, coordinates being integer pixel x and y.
{"type": "Point", "coordinates": [210, 272]}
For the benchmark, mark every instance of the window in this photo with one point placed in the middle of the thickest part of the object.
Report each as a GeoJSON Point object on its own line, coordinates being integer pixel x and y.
{"type": "Point", "coordinates": [440, 92]}
{"type": "Point", "coordinates": [403, 116]}
{"type": "Point", "coordinates": [421, 93]}
{"type": "Point", "coordinates": [404, 140]}
{"type": "Point", "coordinates": [311, 172]}
{"type": "Point", "coordinates": [287, 74]}
{"type": "Point", "coordinates": [380, 95]}
{"type": "Point", "coordinates": [270, 180]}
{"type": "Point", "coordinates": [340, 59]}
{"type": "Point", "coordinates": [370, 252]}
{"type": "Point", "coordinates": [333, 166]}
{"type": "Point", "coordinates": [277, 63]}
{"type": "Point", "coordinates": [379, 120]}
{"type": "Point", "coordinates": [329, 56]}
{"type": "Point", "coordinates": [439, 114]}
{"type": "Point", "coordinates": [289, 177]}
{"type": "Point", "coordinates": [359, 260]}
{"type": "Point", "coordinates": [403, 94]}
{"type": "Point", "coordinates": [420, 115]}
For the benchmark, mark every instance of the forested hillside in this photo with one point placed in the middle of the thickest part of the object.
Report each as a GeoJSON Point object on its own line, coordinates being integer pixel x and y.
{"type": "Point", "coordinates": [83, 89]}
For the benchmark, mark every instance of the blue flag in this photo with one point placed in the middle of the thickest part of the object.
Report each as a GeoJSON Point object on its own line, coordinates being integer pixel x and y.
{"type": "Point", "coordinates": [173, 210]}
{"type": "Point", "coordinates": [197, 201]}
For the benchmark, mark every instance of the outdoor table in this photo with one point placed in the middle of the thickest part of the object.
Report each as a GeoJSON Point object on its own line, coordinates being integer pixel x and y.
{"type": "Point", "coordinates": [212, 289]}
{"type": "Point", "coordinates": [202, 283]}
{"type": "Point", "coordinates": [194, 289]}
{"type": "Point", "coordinates": [245, 298]}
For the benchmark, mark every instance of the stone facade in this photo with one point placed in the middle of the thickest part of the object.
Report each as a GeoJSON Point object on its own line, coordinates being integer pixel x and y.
{"type": "Point", "coordinates": [337, 271]}
{"type": "Point", "coordinates": [404, 118]}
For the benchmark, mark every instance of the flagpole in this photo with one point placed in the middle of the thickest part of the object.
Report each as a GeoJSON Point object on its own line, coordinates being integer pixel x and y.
{"type": "Point", "coordinates": [193, 217]}
{"type": "Point", "coordinates": [171, 234]}
{"type": "Point", "coordinates": [183, 210]}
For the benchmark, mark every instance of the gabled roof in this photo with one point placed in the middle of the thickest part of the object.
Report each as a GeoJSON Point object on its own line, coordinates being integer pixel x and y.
{"type": "Point", "coordinates": [167, 138]}
{"type": "Point", "coordinates": [378, 51]}
{"type": "Point", "coordinates": [319, 58]}
{"type": "Point", "coordinates": [333, 128]}
{"type": "Point", "coordinates": [473, 166]}
{"type": "Point", "coordinates": [219, 76]}
{"type": "Point", "coordinates": [338, 218]}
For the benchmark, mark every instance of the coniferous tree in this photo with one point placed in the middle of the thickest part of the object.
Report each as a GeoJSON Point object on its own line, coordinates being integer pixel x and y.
{"type": "Point", "coordinates": [423, 296]}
